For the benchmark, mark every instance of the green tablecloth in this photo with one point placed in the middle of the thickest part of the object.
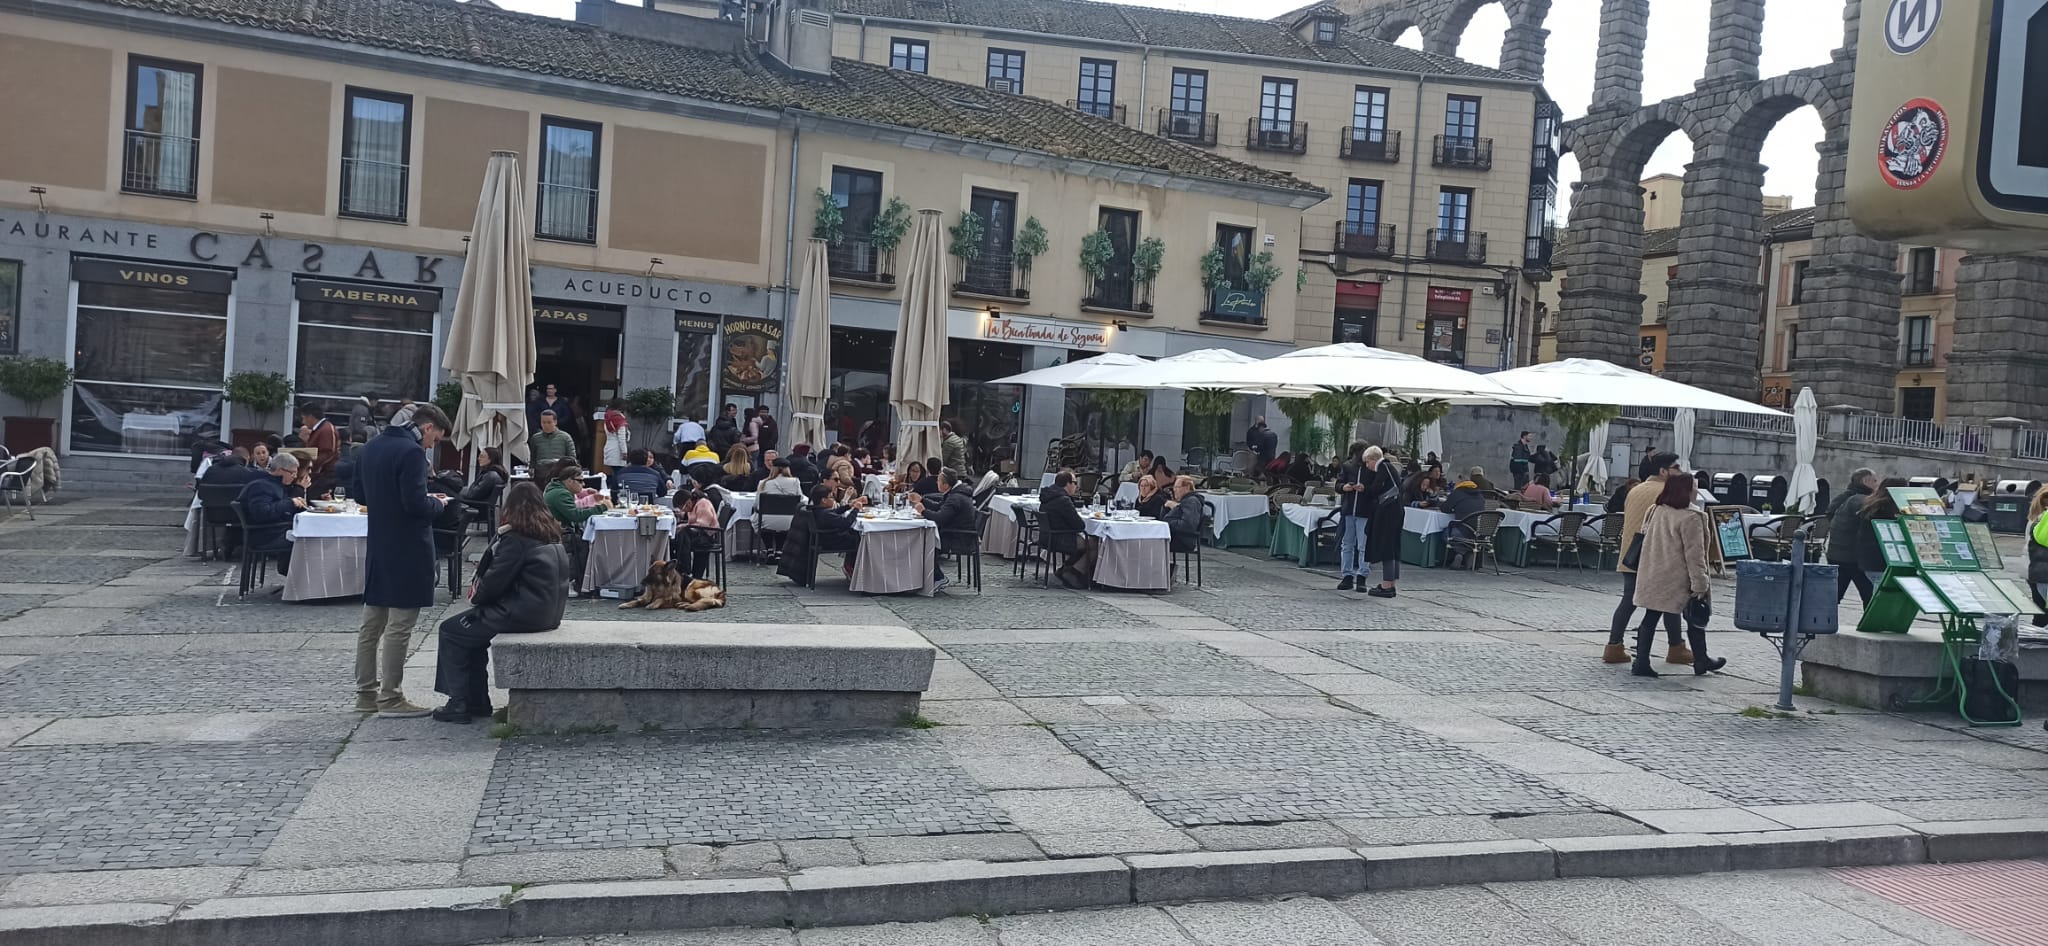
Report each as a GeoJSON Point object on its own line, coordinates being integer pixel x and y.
{"type": "Point", "coordinates": [1426, 551]}
{"type": "Point", "coordinates": [1247, 533]}
{"type": "Point", "coordinates": [1289, 541]}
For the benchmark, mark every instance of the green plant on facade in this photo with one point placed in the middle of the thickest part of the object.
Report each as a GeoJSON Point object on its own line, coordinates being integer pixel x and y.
{"type": "Point", "coordinates": [34, 380]}
{"type": "Point", "coordinates": [1097, 250]}
{"type": "Point", "coordinates": [1214, 275]}
{"type": "Point", "coordinates": [1414, 417]}
{"type": "Point", "coordinates": [1300, 278]}
{"type": "Point", "coordinates": [651, 403]}
{"type": "Point", "coordinates": [1119, 402]}
{"type": "Point", "coordinates": [829, 222]}
{"type": "Point", "coordinates": [1210, 408]}
{"type": "Point", "coordinates": [1345, 407]}
{"type": "Point", "coordinates": [1304, 432]}
{"type": "Point", "coordinates": [1031, 243]}
{"type": "Point", "coordinates": [1578, 421]}
{"type": "Point", "coordinates": [886, 233]}
{"type": "Point", "coordinates": [967, 236]}
{"type": "Point", "coordinates": [1147, 259]}
{"type": "Point", "coordinates": [261, 392]}
{"type": "Point", "coordinates": [1261, 274]}
{"type": "Point", "coordinates": [448, 397]}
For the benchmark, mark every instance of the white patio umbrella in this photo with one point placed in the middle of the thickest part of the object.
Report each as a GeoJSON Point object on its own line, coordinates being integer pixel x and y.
{"type": "Point", "coordinates": [810, 344]}
{"type": "Point", "coordinates": [1681, 435]}
{"type": "Point", "coordinates": [1593, 472]}
{"type": "Point", "coordinates": [1102, 371]}
{"type": "Point", "coordinates": [1432, 437]}
{"type": "Point", "coordinates": [1584, 381]}
{"type": "Point", "coordinates": [1804, 493]}
{"type": "Point", "coordinates": [490, 346]}
{"type": "Point", "coordinates": [918, 373]}
{"type": "Point", "coordinates": [1189, 370]}
{"type": "Point", "coordinates": [1352, 365]}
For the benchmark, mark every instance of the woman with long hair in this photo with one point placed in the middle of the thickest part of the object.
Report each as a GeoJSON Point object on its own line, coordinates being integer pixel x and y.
{"type": "Point", "coordinates": [694, 512]}
{"type": "Point", "coordinates": [1880, 505]}
{"type": "Point", "coordinates": [739, 470]}
{"type": "Point", "coordinates": [490, 475]}
{"type": "Point", "coordinates": [521, 587]}
{"type": "Point", "coordinates": [1671, 572]}
{"type": "Point", "coordinates": [1162, 473]}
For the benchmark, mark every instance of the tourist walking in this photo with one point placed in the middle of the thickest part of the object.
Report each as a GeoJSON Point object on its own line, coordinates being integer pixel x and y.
{"type": "Point", "coordinates": [391, 479]}
{"type": "Point", "coordinates": [1657, 468]}
{"type": "Point", "coordinates": [1385, 516]}
{"type": "Point", "coordinates": [1847, 535]}
{"type": "Point", "coordinates": [1519, 456]}
{"type": "Point", "coordinates": [521, 587]}
{"type": "Point", "coordinates": [1353, 506]}
{"type": "Point", "coordinates": [1672, 573]}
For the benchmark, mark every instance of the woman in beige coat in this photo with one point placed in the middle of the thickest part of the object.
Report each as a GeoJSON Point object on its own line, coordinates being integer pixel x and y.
{"type": "Point", "coordinates": [1672, 572]}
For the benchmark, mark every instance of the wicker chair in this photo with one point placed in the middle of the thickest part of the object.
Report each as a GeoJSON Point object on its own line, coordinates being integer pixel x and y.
{"type": "Point", "coordinates": [1775, 536]}
{"type": "Point", "coordinates": [1609, 527]}
{"type": "Point", "coordinates": [1484, 527]}
{"type": "Point", "coordinates": [1565, 535]}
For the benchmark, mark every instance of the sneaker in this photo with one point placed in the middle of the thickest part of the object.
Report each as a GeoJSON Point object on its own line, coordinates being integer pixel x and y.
{"type": "Point", "coordinates": [1344, 585]}
{"type": "Point", "coordinates": [366, 703]}
{"type": "Point", "coordinates": [1381, 592]}
{"type": "Point", "coordinates": [403, 709]}
{"type": "Point", "coordinates": [940, 585]}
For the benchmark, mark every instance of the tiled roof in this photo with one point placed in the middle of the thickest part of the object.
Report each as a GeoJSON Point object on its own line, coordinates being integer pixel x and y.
{"type": "Point", "coordinates": [1138, 25]}
{"type": "Point", "coordinates": [485, 35]}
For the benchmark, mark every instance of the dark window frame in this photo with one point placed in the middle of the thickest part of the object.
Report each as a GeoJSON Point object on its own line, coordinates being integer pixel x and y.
{"type": "Point", "coordinates": [1013, 62]}
{"type": "Point", "coordinates": [349, 95]}
{"type": "Point", "coordinates": [1354, 221]}
{"type": "Point", "coordinates": [1360, 96]}
{"type": "Point", "coordinates": [1463, 214]}
{"type": "Point", "coordinates": [136, 63]}
{"type": "Point", "coordinates": [1088, 89]}
{"type": "Point", "coordinates": [1461, 123]}
{"type": "Point", "coordinates": [1914, 284]}
{"type": "Point", "coordinates": [1917, 355]}
{"type": "Point", "coordinates": [596, 186]}
{"type": "Point", "coordinates": [1907, 409]}
{"type": "Point", "coordinates": [1797, 296]}
{"type": "Point", "coordinates": [905, 52]}
{"type": "Point", "coordinates": [1270, 109]}
{"type": "Point", "coordinates": [1182, 92]}
{"type": "Point", "coordinates": [1325, 30]}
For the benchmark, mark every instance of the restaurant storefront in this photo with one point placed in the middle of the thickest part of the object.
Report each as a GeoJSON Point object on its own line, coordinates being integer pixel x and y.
{"type": "Point", "coordinates": [359, 340]}
{"type": "Point", "coordinates": [149, 345]}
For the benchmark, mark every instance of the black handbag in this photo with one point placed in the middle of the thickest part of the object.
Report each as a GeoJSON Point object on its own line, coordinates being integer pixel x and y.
{"type": "Point", "coordinates": [1633, 558]}
{"type": "Point", "coordinates": [1699, 611]}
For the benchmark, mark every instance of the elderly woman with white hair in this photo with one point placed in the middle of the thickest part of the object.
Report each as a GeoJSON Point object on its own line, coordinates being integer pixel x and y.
{"type": "Point", "coordinates": [1385, 517]}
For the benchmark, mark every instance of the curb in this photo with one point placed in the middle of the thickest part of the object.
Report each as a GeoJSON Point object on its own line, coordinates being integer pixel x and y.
{"type": "Point", "coordinates": [915, 892]}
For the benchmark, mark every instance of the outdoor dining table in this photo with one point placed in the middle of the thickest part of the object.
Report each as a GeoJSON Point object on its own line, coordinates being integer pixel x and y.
{"type": "Point", "coordinates": [739, 532]}
{"type": "Point", "coordinates": [619, 553]}
{"type": "Point", "coordinates": [1422, 534]}
{"type": "Point", "coordinates": [1518, 526]}
{"type": "Point", "coordinates": [329, 550]}
{"type": "Point", "coordinates": [896, 555]}
{"type": "Point", "coordinates": [1000, 539]}
{"type": "Point", "coordinates": [1135, 554]}
{"type": "Point", "coordinates": [1242, 519]}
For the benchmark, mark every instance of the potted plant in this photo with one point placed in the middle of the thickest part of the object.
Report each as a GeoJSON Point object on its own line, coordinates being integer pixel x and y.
{"type": "Point", "coordinates": [1213, 272]}
{"type": "Point", "coordinates": [829, 222]}
{"type": "Point", "coordinates": [1210, 409]}
{"type": "Point", "coordinates": [1261, 274]}
{"type": "Point", "coordinates": [33, 381]}
{"type": "Point", "coordinates": [448, 397]}
{"type": "Point", "coordinates": [652, 408]}
{"type": "Point", "coordinates": [1578, 420]}
{"type": "Point", "coordinates": [1345, 407]}
{"type": "Point", "coordinates": [886, 234]}
{"type": "Point", "coordinates": [966, 244]}
{"type": "Point", "coordinates": [1097, 249]}
{"type": "Point", "coordinates": [1031, 242]}
{"type": "Point", "coordinates": [1147, 259]}
{"type": "Point", "coordinates": [261, 393]}
{"type": "Point", "coordinates": [1413, 417]}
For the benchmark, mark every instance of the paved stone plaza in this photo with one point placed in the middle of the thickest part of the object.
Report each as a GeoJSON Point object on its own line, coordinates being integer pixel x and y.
{"type": "Point", "coordinates": [163, 742]}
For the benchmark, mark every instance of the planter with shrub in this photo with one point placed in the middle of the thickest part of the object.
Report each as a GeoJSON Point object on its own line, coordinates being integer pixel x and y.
{"type": "Point", "coordinates": [33, 381]}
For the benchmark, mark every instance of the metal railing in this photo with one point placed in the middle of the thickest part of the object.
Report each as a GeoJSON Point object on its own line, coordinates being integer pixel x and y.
{"type": "Point", "coordinates": [1263, 134]}
{"type": "Point", "coordinates": [1538, 250]}
{"type": "Point", "coordinates": [2029, 443]}
{"type": "Point", "coordinates": [1921, 434]}
{"type": "Point", "coordinates": [1919, 357]}
{"type": "Point", "coordinates": [1114, 113]}
{"type": "Point", "coordinates": [1915, 286]}
{"type": "Point", "coordinates": [567, 212]}
{"type": "Point", "coordinates": [1357, 238]}
{"type": "Point", "coordinates": [163, 165]}
{"type": "Point", "coordinates": [1195, 128]}
{"type": "Point", "coordinates": [1370, 144]}
{"type": "Point", "coordinates": [1455, 152]}
{"type": "Point", "coordinates": [853, 258]}
{"type": "Point", "coordinates": [1457, 246]}
{"type": "Point", "coordinates": [991, 274]}
{"type": "Point", "coordinates": [1113, 293]}
{"type": "Point", "coordinates": [373, 189]}
{"type": "Point", "coordinates": [1765, 422]}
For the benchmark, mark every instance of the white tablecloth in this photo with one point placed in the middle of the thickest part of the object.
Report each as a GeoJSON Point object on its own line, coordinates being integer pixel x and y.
{"type": "Point", "coordinates": [665, 525]}
{"type": "Point", "coordinates": [1527, 522]}
{"type": "Point", "coordinates": [1425, 521]}
{"type": "Point", "coordinates": [1305, 516]}
{"type": "Point", "coordinates": [328, 525]}
{"type": "Point", "coordinates": [1123, 529]}
{"type": "Point", "coordinates": [1230, 508]}
{"type": "Point", "coordinates": [896, 555]}
{"type": "Point", "coordinates": [1135, 553]}
{"type": "Point", "coordinates": [1127, 492]}
{"type": "Point", "coordinates": [329, 552]}
{"type": "Point", "coordinates": [874, 486]}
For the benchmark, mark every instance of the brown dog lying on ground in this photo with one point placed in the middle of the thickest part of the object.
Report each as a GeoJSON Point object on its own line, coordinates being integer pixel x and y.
{"type": "Point", "coordinates": [663, 590]}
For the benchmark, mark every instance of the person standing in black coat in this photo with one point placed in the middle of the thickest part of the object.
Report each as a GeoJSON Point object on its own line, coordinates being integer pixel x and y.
{"type": "Point", "coordinates": [391, 479]}
{"type": "Point", "coordinates": [522, 586]}
{"type": "Point", "coordinates": [1385, 517]}
{"type": "Point", "coordinates": [1848, 536]}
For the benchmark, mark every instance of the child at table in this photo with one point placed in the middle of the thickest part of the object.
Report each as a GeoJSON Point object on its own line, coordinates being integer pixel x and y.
{"type": "Point", "coordinates": [697, 530]}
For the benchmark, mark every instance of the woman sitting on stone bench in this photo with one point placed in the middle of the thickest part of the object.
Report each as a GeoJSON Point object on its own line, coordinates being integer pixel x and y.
{"type": "Point", "coordinates": [521, 587]}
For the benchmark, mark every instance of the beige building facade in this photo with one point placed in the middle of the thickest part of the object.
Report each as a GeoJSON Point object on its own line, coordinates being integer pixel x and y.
{"type": "Point", "coordinates": [193, 197]}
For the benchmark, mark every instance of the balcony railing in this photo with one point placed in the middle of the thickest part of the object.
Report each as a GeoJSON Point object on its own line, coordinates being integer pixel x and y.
{"type": "Point", "coordinates": [374, 189]}
{"type": "Point", "coordinates": [1537, 250]}
{"type": "Point", "coordinates": [1919, 357]}
{"type": "Point", "coordinates": [2030, 444]}
{"type": "Point", "coordinates": [1114, 113]}
{"type": "Point", "coordinates": [990, 274]}
{"type": "Point", "coordinates": [1267, 135]}
{"type": "Point", "coordinates": [1112, 292]}
{"type": "Point", "coordinates": [1457, 246]}
{"type": "Point", "coordinates": [1361, 239]}
{"type": "Point", "coordinates": [857, 259]}
{"type": "Point", "coordinates": [1925, 434]}
{"type": "Point", "coordinates": [163, 165]}
{"type": "Point", "coordinates": [567, 212]}
{"type": "Point", "coordinates": [1235, 306]}
{"type": "Point", "coordinates": [1195, 128]}
{"type": "Point", "coordinates": [1370, 144]}
{"type": "Point", "coordinates": [1919, 286]}
{"type": "Point", "coordinates": [1456, 152]}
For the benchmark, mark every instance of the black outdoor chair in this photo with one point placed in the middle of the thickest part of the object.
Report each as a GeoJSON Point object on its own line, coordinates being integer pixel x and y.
{"type": "Point", "coordinates": [14, 473]}
{"type": "Point", "coordinates": [1328, 533]}
{"type": "Point", "coordinates": [217, 516]}
{"type": "Point", "coordinates": [1609, 527]}
{"type": "Point", "coordinates": [1477, 538]}
{"type": "Point", "coordinates": [1027, 540]}
{"type": "Point", "coordinates": [778, 505]}
{"type": "Point", "coordinates": [963, 547]}
{"type": "Point", "coordinates": [1050, 558]}
{"type": "Point", "coordinates": [256, 555]}
{"type": "Point", "coordinates": [449, 542]}
{"type": "Point", "coordinates": [1564, 535]}
{"type": "Point", "coordinates": [1189, 559]}
{"type": "Point", "coordinates": [693, 539]}
{"type": "Point", "coordinates": [1774, 536]}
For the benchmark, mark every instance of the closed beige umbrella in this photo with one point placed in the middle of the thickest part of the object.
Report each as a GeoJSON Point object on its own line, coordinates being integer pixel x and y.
{"type": "Point", "coordinates": [920, 370]}
{"type": "Point", "coordinates": [810, 345]}
{"type": "Point", "coordinates": [490, 342]}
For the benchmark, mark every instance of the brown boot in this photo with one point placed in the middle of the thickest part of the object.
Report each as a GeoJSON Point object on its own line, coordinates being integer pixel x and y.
{"type": "Point", "coordinates": [1615, 654]}
{"type": "Point", "coordinates": [1678, 653]}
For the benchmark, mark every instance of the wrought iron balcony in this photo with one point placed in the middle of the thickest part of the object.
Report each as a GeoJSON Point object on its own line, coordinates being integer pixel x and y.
{"type": "Point", "coordinates": [1195, 128]}
{"type": "Point", "coordinates": [161, 165]}
{"type": "Point", "coordinates": [1359, 239]}
{"type": "Point", "coordinates": [1458, 152]}
{"type": "Point", "coordinates": [1114, 113]}
{"type": "Point", "coordinates": [1284, 137]}
{"type": "Point", "coordinates": [1370, 144]}
{"type": "Point", "coordinates": [1457, 246]}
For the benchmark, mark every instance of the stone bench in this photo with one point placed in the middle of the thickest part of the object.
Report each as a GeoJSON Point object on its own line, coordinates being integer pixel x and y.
{"type": "Point", "coordinates": [1876, 670]}
{"type": "Point", "coordinates": [637, 675]}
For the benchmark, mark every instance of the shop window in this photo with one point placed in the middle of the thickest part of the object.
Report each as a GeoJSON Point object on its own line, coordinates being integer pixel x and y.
{"type": "Point", "coordinates": [152, 350]}
{"type": "Point", "coordinates": [857, 405]}
{"type": "Point", "coordinates": [990, 416]}
{"type": "Point", "coordinates": [568, 180]}
{"type": "Point", "coordinates": [160, 143]}
{"type": "Point", "coordinates": [348, 349]}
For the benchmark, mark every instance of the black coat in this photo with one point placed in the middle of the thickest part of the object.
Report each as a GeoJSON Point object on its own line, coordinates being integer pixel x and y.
{"type": "Point", "coordinates": [722, 435]}
{"type": "Point", "coordinates": [1869, 551]}
{"type": "Point", "coordinates": [954, 512]}
{"type": "Point", "coordinates": [832, 528]}
{"type": "Point", "coordinates": [268, 508]}
{"type": "Point", "coordinates": [797, 545]}
{"type": "Point", "coordinates": [228, 471]}
{"type": "Point", "coordinates": [1354, 503]}
{"type": "Point", "coordinates": [1056, 514]}
{"type": "Point", "coordinates": [805, 471]}
{"type": "Point", "coordinates": [521, 585]}
{"type": "Point", "coordinates": [1185, 521]}
{"type": "Point", "coordinates": [1383, 536]}
{"type": "Point", "coordinates": [391, 479]}
{"type": "Point", "coordinates": [1848, 531]}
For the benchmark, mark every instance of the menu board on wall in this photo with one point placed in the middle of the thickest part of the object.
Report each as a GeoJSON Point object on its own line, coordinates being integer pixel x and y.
{"type": "Point", "coordinates": [753, 355]}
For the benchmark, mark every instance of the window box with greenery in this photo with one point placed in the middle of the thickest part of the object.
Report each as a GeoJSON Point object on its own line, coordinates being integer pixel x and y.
{"type": "Point", "coordinates": [869, 258]}
{"type": "Point", "coordinates": [1031, 243]}
{"type": "Point", "coordinates": [262, 395]}
{"type": "Point", "coordinates": [32, 381]}
{"type": "Point", "coordinates": [1241, 301]}
{"type": "Point", "coordinates": [1108, 292]}
{"type": "Point", "coordinates": [986, 271]}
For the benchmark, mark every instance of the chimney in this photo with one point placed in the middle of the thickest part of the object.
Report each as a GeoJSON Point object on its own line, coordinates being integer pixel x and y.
{"type": "Point", "coordinates": [800, 35]}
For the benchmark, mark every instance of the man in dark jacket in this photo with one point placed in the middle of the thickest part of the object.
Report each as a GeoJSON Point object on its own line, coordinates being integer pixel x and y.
{"type": "Point", "coordinates": [1519, 456]}
{"type": "Point", "coordinates": [832, 524]}
{"type": "Point", "coordinates": [953, 511]}
{"type": "Point", "coordinates": [391, 479]}
{"type": "Point", "coordinates": [1262, 442]}
{"type": "Point", "coordinates": [1184, 514]}
{"type": "Point", "coordinates": [803, 467]}
{"type": "Point", "coordinates": [1353, 506]}
{"type": "Point", "coordinates": [726, 431]}
{"type": "Point", "coordinates": [522, 586]}
{"type": "Point", "coordinates": [1848, 532]}
{"type": "Point", "coordinates": [230, 470]}
{"type": "Point", "coordinates": [270, 509]}
{"type": "Point", "coordinates": [1065, 533]}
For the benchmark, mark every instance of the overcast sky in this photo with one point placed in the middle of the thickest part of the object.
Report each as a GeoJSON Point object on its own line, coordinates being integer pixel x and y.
{"type": "Point", "coordinates": [1797, 33]}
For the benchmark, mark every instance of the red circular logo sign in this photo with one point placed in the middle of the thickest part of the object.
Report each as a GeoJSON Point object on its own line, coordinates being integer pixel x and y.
{"type": "Point", "coordinates": [1913, 144]}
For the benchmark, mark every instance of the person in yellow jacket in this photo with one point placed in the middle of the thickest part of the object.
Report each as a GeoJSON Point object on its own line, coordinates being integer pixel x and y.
{"type": "Point", "coordinates": [1655, 469]}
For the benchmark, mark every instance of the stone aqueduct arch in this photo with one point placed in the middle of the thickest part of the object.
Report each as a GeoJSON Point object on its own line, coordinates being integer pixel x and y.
{"type": "Point", "coordinates": [1849, 320]}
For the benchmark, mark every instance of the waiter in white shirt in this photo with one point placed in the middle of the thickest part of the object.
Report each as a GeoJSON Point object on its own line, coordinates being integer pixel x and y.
{"type": "Point", "coordinates": [689, 431]}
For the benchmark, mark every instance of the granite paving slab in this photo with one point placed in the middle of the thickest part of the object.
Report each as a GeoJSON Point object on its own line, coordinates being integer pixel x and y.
{"type": "Point", "coordinates": [68, 684]}
{"type": "Point", "coordinates": [1131, 669]}
{"type": "Point", "coordinates": [1465, 666]}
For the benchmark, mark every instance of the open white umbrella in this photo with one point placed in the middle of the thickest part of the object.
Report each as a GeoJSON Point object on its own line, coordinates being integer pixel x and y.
{"type": "Point", "coordinates": [490, 337]}
{"type": "Point", "coordinates": [1681, 435]}
{"type": "Point", "coordinates": [1350, 365]}
{"type": "Point", "coordinates": [810, 345]}
{"type": "Point", "coordinates": [1585, 381]}
{"type": "Point", "coordinates": [1804, 493]}
{"type": "Point", "coordinates": [1593, 472]}
{"type": "Point", "coordinates": [1101, 371]}
{"type": "Point", "coordinates": [1189, 370]}
{"type": "Point", "coordinates": [918, 373]}
{"type": "Point", "coordinates": [1432, 437]}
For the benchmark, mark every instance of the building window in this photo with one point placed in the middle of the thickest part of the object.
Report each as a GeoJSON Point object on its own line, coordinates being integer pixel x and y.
{"type": "Point", "coordinates": [859, 195]}
{"type": "Point", "coordinates": [1791, 344]}
{"type": "Point", "coordinates": [1006, 71]}
{"type": "Point", "coordinates": [1461, 120]}
{"type": "Point", "coordinates": [1454, 214]}
{"type": "Point", "coordinates": [1098, 88]}
{"type": "Point", "coordinates": [160, 146]}
{"type": "Point", "coordinates": [376, 145]}
{"type": "Point", "coordinates": [1369, 114]}
{"type": "Point", "coordinates": [151, 352]}
{"type": "Point", "coordinates": [857, 396]}
{"type": "Point", "coordinates": [1916, 403]}
{"type": "Point", "coordinates": [1326, 31]}
{"type": "Point", "coordinates": [1232, 300]}
{"type": "Point", "coordinates": [568, 180]}
{"type": "Point", "coordinates": [1922, 273]}
{"type": "Point", "coordinates": [1798, 288]}
{"type": "Point", "coordinates": [1276, 105]}
{"type": "Point", "coordinates": [1919, 331]}
{"type": "Point", "coordinates": [909, 55]}
{"type": "Point", "coordinates": [10, 306]}
{"type": "Point", "coordinates": [1190, 92]}
{"type": "Point", "coordinates": [993, 270]}
{"type": "Point", "coordinates": [1117, 288]}
{"type": "Point", "coordinates": [1362, 206]}
{"type": "Point", "coordinates": [346, 349]}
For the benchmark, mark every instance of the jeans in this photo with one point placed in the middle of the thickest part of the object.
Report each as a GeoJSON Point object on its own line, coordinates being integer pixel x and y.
{"type": "Point", "coordinates": [382, 675]}
{"type": "Point", "coordinates": [1846, 575]}
{"type": "Point", "coordinates": [1351, 561]}
{"type": "Point", "coordinates": [1627, 609]}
